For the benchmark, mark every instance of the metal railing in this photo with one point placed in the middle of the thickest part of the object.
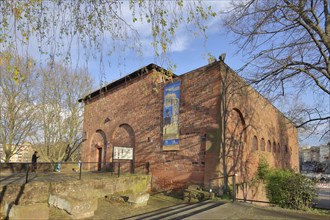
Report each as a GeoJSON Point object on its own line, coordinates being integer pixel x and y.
{"type": "Point", "coordinates": [75, 170]}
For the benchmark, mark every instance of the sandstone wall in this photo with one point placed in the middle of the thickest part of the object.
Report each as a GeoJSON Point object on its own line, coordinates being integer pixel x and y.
{"type": "Point", "coordinates": [131, 115]}
{"type": "Point", "coordinates": [264, 132]}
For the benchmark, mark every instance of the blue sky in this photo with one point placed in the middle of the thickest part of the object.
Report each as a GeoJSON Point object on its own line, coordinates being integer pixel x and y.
{"type": "Point", "coordinates": [187, 52]}
{"type": "Point", "coordinates": [193, 56]}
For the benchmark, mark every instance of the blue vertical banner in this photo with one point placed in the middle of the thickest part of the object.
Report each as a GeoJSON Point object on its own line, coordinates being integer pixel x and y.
{"type": "Point", "coordinates": [171, 116]}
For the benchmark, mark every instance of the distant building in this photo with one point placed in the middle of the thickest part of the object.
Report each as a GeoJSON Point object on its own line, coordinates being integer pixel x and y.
{"type": "Point", "coordinates": [310, 154]}
{"type": "Point", "coordinates": [325, 153]}
{"type": "Point", "coordinates": [315, 153]}
{"type": "Point", "coordinates": [315, 159]}
{"type": "Point", "coordinates": [23, 154]}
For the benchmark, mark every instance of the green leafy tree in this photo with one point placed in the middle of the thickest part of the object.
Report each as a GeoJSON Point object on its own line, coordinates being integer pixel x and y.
{"type": "Point", "coordinates": [60, 26]}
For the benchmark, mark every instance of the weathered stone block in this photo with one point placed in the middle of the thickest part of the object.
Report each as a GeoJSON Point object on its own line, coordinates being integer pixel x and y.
{"type": "Point", "coordinates": [140, 199]}
{"type": "Point", "coordinates": [24, 194]}
{"type": "Point", "coordinates": [78, 198]}
{"type": "Point", "coordinates": [33, 211]}
{"type": "Point", "coordinates": [77, 208]}
{"type": "Point", "coordinates": [34, 192]}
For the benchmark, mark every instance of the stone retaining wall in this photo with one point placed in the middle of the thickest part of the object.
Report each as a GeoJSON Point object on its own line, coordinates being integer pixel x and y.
{"type": "Point", "coordinates": [77, 197]}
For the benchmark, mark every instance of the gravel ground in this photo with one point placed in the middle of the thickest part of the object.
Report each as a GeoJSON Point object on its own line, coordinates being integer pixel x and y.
{"type": "Point", "coordinates": [120, 210]}
{"type": "Point", "coordinates": [160, 203]}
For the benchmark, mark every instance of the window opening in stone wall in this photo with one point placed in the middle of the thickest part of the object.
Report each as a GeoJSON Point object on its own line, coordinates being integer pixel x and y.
{"type": "Point", "coordinates": [262, 144]}
{"type": "Point", "coordinates": [286, 148]}
{"type": "Point", "coordinates": [274, 147]}
{"type": "Point", "coordinates": [278, 148]}
{"type": "Point", "coordinates": [255, 143]}
{"type": "Point", "coordinates": [269, 146]}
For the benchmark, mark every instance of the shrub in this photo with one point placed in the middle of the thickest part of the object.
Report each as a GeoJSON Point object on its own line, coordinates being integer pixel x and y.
{"type": "Point", "coordinates": [290, 190]}
{"type": "Point", "coordinates": [263, 169]}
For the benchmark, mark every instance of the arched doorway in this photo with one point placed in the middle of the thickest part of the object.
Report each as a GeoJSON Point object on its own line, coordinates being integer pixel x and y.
{"type": "Point", "coordinates": [98, 149]}
{"type": "Point", "coordinates": [124, 136]}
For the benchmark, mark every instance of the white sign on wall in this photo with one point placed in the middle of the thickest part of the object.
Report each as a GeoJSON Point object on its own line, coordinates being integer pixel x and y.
{"type": "Point", "coordinates": [122, 153]}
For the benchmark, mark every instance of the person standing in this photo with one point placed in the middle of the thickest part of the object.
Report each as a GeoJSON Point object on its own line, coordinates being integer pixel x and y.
{"type": "Point", "coordinates": [34, 161]}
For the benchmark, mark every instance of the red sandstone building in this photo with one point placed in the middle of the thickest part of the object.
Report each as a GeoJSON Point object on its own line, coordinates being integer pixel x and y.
{"type": "Point", "coordinates": [193, 129]}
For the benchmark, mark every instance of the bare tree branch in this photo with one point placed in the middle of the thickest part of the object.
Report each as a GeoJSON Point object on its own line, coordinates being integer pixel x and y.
{"type": "Point", "coordinates": [311, 120]}
{"type": "Point", "coordinates": [286, 45]}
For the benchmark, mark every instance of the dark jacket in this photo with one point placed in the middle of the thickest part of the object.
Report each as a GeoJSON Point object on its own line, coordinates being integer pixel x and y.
{"type": "Point", "coordinates": [34, 158]}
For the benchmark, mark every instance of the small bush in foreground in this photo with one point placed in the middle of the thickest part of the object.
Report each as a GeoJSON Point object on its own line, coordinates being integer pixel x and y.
{"type": "Point", "coordinates": [290, 190]}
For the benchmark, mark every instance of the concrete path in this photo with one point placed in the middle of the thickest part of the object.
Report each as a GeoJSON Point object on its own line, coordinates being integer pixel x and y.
{"type": "Point", "coordinates": [323, 200]}
{"type": "Point", "coordinates": [248, 211]}
{"type": "Point", "coordinates": [216, 210]}
{"type": "Point", "coordinates": [178, 211]}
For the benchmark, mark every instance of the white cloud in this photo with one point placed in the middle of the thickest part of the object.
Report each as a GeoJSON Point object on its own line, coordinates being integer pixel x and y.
{"type": "Point", "coordinates": [184, 34]}
{"type": "Point", "coordinates": [180, 43]}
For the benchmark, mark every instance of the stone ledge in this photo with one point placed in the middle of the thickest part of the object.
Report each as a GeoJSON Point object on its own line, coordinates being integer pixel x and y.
{"type": "Point", "coordinates": [78, 198]}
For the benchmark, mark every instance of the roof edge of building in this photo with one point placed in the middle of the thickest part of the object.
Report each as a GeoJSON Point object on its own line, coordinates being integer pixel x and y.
{"type": "Point", "coordinates": [124, 79]}
{"type": "Point", "coordinates": [152, 66]}
{"type": "Point", "coordinates": [221, 62]}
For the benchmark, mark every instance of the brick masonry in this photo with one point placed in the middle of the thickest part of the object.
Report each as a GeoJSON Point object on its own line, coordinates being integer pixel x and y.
{"type": "Point", "coordinates": [217, 108]}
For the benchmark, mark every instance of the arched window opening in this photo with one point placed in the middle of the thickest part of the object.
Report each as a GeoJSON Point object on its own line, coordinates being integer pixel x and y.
{"type": "Point", "coordinates": [274, 147]}
{"type": "Point", "coordinates": [269, 146]}
{"type": "Point", "coordinates": [235, 128]}
{"type": "Point", "coordinates": [278, 148]}
{"type": "Point", "coordinates": [255, 143]}
{"type": "Point", "coordinates": [262, 144]}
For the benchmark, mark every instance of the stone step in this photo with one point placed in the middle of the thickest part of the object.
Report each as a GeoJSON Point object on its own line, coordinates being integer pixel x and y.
{"type": "Point", "coordinates": [178, 212]}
